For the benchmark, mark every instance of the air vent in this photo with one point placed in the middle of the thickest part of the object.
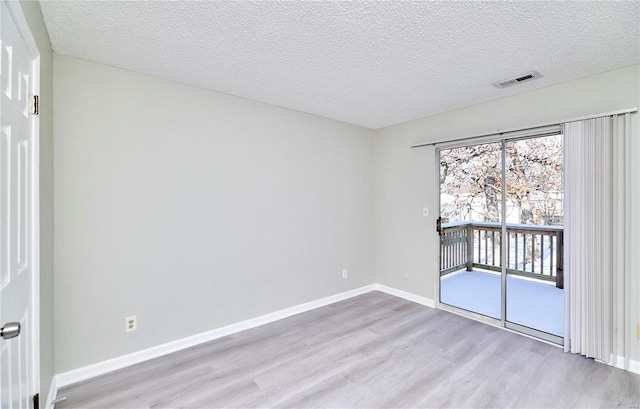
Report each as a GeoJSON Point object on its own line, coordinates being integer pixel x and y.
{"type": "Point", "coordinates": [521, 78]}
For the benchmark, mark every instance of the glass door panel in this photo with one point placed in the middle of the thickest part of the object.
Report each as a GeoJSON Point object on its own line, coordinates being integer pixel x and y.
{"type": "Point", "coordinates": [534, 224]}
{"type": "Point", "coordinates": [470, 228]}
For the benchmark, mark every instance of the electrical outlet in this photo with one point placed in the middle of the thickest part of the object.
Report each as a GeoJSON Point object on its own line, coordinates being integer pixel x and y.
{"type": "Point", "coordinates": [425, 211]}
{"type": "Point", "coordinates": [130, 323]}
{"type": "Point", "coordinates": [344, 273]}
{"type": "Point", "coordinates": [405, 275]}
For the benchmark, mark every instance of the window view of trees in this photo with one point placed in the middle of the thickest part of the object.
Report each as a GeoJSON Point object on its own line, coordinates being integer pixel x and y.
{"type": "Point", "coordinates": [471, 182]}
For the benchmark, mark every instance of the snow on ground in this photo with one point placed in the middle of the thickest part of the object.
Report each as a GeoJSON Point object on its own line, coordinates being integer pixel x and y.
{"type": "Point", "coordinates": [533, 304]}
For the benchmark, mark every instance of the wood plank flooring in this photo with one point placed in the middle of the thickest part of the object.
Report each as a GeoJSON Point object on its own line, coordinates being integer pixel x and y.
{"type": "Point", "coordinates": [370, 351]}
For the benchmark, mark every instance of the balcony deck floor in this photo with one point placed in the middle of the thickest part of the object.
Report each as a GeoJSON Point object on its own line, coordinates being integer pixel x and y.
{"type": "Point", "coordinates": [530, 303]}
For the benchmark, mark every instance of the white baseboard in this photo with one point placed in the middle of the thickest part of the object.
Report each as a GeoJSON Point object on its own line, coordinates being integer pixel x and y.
{"type": "Point", "coordinates": [634, 366]}
{"type": "Point", "coordinates": [101, 368]}
{"type": "Point", "coordinates": [53, 389]}
{"type": "Point", "coordinates": [406, 295]}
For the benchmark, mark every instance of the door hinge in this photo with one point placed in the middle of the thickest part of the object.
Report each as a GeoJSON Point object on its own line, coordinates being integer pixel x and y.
{"type": "Point", "coordinates": [36, 105]}
{"type": "Point", "coordinates": [36, 401]}
{"type": "Point", "coordinates": [439, 225]}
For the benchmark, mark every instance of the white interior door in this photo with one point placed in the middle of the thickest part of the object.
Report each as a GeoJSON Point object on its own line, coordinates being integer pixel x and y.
{"type": "Point", "coordinates": [18, 366]}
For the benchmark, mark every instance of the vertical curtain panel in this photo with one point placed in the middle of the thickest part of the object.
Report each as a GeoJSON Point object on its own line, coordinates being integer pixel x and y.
{"type": "Point", "coordinates": [597, 252]}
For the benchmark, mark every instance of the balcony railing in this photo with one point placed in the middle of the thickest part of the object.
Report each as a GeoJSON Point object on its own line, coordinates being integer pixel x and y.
{"type": "Point", "coordinates": [534, 251]}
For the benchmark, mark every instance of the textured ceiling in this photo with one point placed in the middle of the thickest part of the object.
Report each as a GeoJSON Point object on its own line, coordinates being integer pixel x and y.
{"type": "Point", "coordinates": [368, 63]}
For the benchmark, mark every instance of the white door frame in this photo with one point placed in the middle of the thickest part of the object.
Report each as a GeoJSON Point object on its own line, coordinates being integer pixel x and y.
{"type": "Point", "coordinates": [21, 23]}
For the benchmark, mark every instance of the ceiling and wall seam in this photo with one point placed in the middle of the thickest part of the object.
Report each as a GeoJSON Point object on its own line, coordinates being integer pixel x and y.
{"type": "Point", "coordinates": [373, 64]}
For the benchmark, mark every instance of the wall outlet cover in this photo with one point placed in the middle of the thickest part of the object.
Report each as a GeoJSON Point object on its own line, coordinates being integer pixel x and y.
{"type": "Point", "coordinates": [131, 323]}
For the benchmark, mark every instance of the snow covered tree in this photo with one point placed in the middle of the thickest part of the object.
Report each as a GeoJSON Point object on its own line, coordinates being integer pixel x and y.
{"type": "Point", "coordinates": [471, 181]}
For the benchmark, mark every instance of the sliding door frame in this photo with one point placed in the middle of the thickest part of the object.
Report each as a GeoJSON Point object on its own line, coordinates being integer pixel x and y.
{"type": "Point", "coordinates": [502, 322]}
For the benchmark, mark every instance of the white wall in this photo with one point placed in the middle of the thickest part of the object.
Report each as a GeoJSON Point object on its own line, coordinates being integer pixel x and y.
{"type": "Point", "coordinates": [31, 10]}
{"type": "Point", "coordinates": [195, 209]}
{"type": "Point", "coordinates": [406, 178]}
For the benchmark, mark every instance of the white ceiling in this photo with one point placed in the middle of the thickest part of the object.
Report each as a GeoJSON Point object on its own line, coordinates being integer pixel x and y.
{"type": "Point", "coordinates": [369, 63]}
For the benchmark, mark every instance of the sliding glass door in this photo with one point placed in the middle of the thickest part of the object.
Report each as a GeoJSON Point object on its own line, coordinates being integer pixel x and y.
{"type": "Point", "coordinates": [470, 220]}
{"type": "Point", "coordinates": [535, 218]}
{"type": "Point", "coordinates": [519, 280]}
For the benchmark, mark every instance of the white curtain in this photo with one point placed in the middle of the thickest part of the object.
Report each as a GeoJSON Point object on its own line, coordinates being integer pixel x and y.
{"type": "Point", "coordinates": [597, 211]}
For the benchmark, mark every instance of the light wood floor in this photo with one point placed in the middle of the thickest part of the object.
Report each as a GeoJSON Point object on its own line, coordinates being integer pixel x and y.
{"type": "Point", "coordinates": [371, 351]}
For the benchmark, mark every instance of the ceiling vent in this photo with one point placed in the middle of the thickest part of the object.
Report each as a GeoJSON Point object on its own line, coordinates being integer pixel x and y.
{"type": "Point", "coordinates": [517, 80]}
